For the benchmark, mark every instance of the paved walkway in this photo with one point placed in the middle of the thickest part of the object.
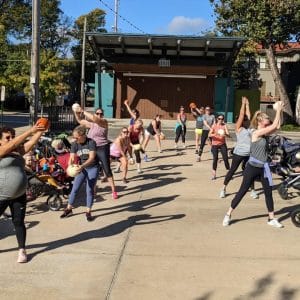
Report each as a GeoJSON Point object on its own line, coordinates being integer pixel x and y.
{"type": "Point", "coordinates": [162, 239]}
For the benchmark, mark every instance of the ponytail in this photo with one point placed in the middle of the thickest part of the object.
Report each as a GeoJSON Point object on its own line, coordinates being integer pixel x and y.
{"type": "Point", "coordinates": [258, 117]}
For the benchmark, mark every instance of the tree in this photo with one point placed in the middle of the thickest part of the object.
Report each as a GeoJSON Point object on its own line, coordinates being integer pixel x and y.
{"type": "Point", "coordinates": [269, 23]}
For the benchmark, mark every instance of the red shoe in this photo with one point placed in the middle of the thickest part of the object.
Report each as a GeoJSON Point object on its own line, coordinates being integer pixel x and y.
{"type": "Point", "coordinates": [114, 195]}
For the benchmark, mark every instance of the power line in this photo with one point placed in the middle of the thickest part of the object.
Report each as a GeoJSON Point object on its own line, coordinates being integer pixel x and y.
{"type": "Point", "coordinates": [121, 17]}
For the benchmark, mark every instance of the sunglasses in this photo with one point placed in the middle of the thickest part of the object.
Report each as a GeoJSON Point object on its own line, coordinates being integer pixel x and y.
{"type": "Point", "coordinates": [9, 137]}
{"type": "Point", "coordinates": [220, 118]}
{"type": "Point", "coordinates": [125, 132]}
{"type": "Point", "coordinates": [99, 114]}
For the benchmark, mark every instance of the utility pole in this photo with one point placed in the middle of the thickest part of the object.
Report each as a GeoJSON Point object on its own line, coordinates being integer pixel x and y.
{"type": "Point", "coordinates": [116, 15]}
{"type": "Point", "coordinates": [82, 92]}
{"type": "Point", "coordinates": [35, 61]}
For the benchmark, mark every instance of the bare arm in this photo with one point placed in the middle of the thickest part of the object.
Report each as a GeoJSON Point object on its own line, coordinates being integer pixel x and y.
{"type": "Point", "coordinates": [240, 120]}
{"type": "Point", "coordinates": [101, 122]}
{"type": "Point", "coordinates": [81, 121]}
{"type": "Point", "coordinates": [19, 140]}
{"type": "Point", "coordinates": [271, 128]}
{"type": "Point", "coordinates": [156, 130]}
{"type": "Point", "coordinates": [193, 112]}
{"type": "Point", "coordinates": [90, 160]}
{"type": "Point", "coordinates": [129, 109]}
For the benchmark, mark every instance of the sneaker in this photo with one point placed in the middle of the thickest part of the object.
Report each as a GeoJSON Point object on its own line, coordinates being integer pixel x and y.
{"type": "Point", "coordinates": [222, 194]}
{"type": "Point", "coordinates": [184, 146]}
{"type": "Point", "coordinates": [214, 178]}
{"type": "Point", "coordinates": [275, 223]}
{"type": "Point", "coordinates": [22, 256]}
{"type": "Point", "coordinates": [159, 151]}
{"type": "Point", "coordinates": [253, 194]}
{"type": "Point", "coordinates": [196, 151]}
{"type": "Point", "coordinates": [176, 146]}
{"type": "Point", "coordinates": [226, 220]}
{"type": "Point", "coordinates": [139, 171]}
{"type": "Point", "coordinates": [67, 212]}
{"type": "Point", "coordinates": [146, 159]}
{"type": "Point", "coordinates": [89, 217]}
{"type": "Point", "coordinates": [198, 159]}
{"type": "Point", "coordinates": [117, 170]}
{"type": "Point", "coordinates": [114, 195]}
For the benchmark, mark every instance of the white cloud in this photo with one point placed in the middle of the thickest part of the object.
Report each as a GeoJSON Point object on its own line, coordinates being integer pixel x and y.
{"type": "Point", "coordinates": [185, 25]}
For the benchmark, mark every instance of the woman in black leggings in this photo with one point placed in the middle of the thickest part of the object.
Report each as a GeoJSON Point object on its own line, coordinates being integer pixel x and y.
{"type": "Point", "coordinates": [257, 166]}
{"type": "Point", "coordinates": [98, 131]}
{"type": "Point", "coordinates": [13, 179]}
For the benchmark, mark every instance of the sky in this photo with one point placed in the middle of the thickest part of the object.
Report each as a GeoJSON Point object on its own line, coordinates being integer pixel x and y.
{"type": "Point", "coordinates": [178, 17]}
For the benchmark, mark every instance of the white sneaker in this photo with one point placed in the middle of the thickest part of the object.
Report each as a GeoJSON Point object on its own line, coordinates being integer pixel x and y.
{"type": "Point", "coordinates": [226, 220]}
{"type": "Point", "coordinates": [117, 170]}
{"type": "Point", "coordinates": [275, 223]}
{"type": "Point", "coordinates": [253, 194]}
{"type": "Point", "coordinates": [222, 194]}
{"type": "Point", "coordinates": [139, 171]}
{"type": "Point", "coordinates": [184, 146]}
{"type": "Point", "coordinates": [175, 146]}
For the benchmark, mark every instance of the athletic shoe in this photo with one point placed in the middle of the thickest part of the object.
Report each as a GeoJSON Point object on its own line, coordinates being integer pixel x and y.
{"type": "Point", "coordinates": [114, 195]}
{"type": "Point", "coordinates": [139, 171]}
{"type": "Point", "coordinates": [222, 194]}
{"type": "Point", "coordinates": [67, 213]}
{"type": "Point", "coordinates": [159, 151]}
{"type": "Point", "coordinates": [89, 217]}
{"type": "Point", "coordinates": [214, 178]}
{"type": "Point", "coordinates": [196, 151]}
{"type": "Point", "coordinates": [226, 220]}
{"type": "Point", "coordinates": [253, 194]}
{"type": "Point", "coordinates": [275, 223]}
{"type": "Point", "coordinates": [117, 170]}
{"type": "Point", "coordinates": [184, 146]}
{"type": "Point", "coordinates": [198, 159]}
{"type": "Point", "coordinates": [146, 159]}
{"type": "Point", "coordinates": [22, 256]}
{"type": "Point", "coordinates": [176, 146]}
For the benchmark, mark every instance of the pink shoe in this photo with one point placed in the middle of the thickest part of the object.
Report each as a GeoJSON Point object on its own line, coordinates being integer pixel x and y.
{"type": "Point", "coordinates": [114, 195]}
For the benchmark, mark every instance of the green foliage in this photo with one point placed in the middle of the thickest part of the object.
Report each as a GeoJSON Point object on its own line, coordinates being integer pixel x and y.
{"type": "Point", "coordinates": [290, 127]}
{"type": "Point", "coordinates": [264, 21]}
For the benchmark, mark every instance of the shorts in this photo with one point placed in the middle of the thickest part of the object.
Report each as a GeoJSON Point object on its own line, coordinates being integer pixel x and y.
{"type": "Point", "coordinates": [115, 158]}
{"type": "Point", "coordinates": [198, 131]}
{"type": "Point", "coordinates": [147, 133]}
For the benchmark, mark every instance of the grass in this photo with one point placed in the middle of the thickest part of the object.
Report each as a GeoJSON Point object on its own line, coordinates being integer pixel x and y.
{"type": "Point", "coordinates": [290, 127]}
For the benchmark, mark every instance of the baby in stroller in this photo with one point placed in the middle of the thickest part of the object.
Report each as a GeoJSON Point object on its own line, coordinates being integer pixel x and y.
{"type": "Point", "coordinates": [41, 184]}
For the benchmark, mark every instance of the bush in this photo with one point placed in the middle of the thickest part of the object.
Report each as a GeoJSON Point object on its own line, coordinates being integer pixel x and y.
{"type": "Point", "coordinates": [290, 127]}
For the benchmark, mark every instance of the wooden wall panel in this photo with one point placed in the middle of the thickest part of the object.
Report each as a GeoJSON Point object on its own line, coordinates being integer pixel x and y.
{"type": "Point", "coordinates": [163, 96]}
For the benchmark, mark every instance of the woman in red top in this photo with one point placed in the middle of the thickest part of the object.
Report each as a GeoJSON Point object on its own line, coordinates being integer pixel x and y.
{"type": "Point", "coordinates": [218, 133]}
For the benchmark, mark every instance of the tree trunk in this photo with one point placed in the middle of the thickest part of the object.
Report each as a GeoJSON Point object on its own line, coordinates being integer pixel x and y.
{"type": "Point", "coordinates": [278, 82]}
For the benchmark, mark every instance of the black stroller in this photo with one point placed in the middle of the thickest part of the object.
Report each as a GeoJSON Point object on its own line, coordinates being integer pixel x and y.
{"type": "Point", "coordinates": [285, 157]}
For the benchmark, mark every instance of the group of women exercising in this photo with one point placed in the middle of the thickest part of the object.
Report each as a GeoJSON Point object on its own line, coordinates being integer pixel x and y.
{"type": "Point", "coordinates": [91, 145]}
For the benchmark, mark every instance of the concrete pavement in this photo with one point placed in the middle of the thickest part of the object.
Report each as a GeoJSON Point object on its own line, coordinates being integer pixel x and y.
{"type": "Point", "coordinates": [162, 239]}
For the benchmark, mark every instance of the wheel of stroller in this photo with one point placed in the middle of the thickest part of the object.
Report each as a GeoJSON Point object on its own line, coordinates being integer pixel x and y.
{"type": "Point", "coordinates": [54, 202]}
{"type": "Point", "coordinates": [295, 217]}
{"type": "Point", "coordinates": [283, 191]}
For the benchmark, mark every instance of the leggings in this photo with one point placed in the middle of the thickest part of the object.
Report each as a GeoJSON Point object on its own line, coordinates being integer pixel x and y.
{"type": "Point", "coordinates": [250, 174]}
{"type": "Point", "coordinates": [103, 155]}
{"type": "Point", "coordinates": [18, 209]}
{"type": "Point", "coordinates": [180, 131]}
{"type": "Point", "coordinates": [236, 161]}
{"type": "Point", "coordinates": [215, 152]}
{"type": "Point", "coordinates": [204, 137]}
{"type": "Point", "coordinates": [90, 176]}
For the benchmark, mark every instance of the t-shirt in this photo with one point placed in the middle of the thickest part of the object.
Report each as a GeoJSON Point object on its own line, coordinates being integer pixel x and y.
{"type": "Point", "coordinates": [83, 150]}
{"type": "Point", "coordinates": [210, 119]}
{"type": "Point", "coordinates": [218, 139]}
{"type": "Point", "coordinates": [13, 179]}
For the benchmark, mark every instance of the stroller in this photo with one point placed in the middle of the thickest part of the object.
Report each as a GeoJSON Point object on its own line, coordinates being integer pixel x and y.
{"type": "Point", "coordinates": [285, 157]}
{"type": "Point", "coordinates": [38, 186]}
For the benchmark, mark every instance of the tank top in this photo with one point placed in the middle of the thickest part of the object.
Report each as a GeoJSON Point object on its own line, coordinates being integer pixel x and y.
{"type": "Point", "coordinates": [150, 127]}
{"type": "Point", "coordinates": [243, 142]}
{"type": "Point", "coordinates": [210, 119]}
{"type": "Point", "coordinates": [258, 150]}
{"type": "Point", "coordinates": [13, 179]}
{"type": "Point", "coordinates": [134, 135]}
{"type": "Point", "coordinates": [199, 122]}
{"type": "Point", "coordinates": [98, 134]}
{"type": "Point", "coordinates": [114, 150]}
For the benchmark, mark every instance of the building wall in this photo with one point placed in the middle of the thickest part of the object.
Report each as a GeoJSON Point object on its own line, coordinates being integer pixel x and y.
{"type": "Point", "coordinates": [162, 96]}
